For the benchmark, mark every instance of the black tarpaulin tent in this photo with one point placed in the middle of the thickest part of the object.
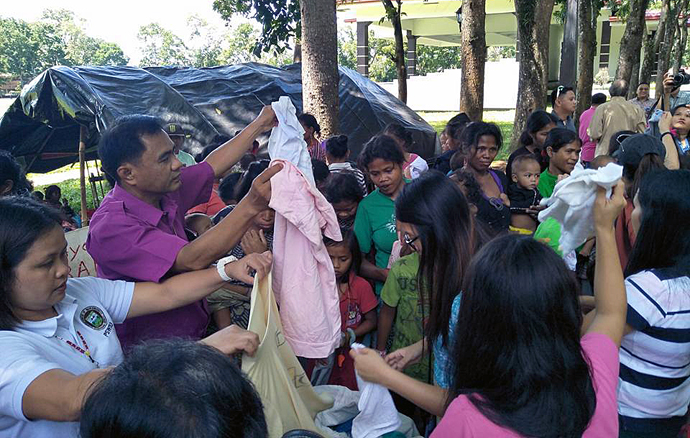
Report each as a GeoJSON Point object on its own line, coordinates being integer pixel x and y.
{"type": "Point", "coordinates": [58, 117]}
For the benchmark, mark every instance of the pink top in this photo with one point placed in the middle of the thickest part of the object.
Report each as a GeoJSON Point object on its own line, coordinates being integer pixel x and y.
{"type": "Point", "coordinates": [134, 241]}
{"type": "Point", "coordinates": [588, 146]}
{"type": "Point", "coordinates": [462, 419]}
{"type": "Point", "coordinates": [303, 276]}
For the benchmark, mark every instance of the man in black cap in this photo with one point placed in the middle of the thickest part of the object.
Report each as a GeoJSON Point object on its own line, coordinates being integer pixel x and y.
{"type": "Point", "coordinates": [177, 135]}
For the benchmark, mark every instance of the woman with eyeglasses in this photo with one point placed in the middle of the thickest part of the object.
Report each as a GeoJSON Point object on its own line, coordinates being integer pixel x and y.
{"type": "Point", "coordinates": [436, 222]}
{"type": "Point", "coordinates": [674, 128]}
{"type": "Point", "coordinates": [374, 226]}
{"type": "Point", "coordinates": [480, 144]}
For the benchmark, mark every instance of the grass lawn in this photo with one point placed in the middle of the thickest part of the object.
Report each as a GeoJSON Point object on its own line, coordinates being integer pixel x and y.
{"type": "Point", "coordinates": [504, 120]}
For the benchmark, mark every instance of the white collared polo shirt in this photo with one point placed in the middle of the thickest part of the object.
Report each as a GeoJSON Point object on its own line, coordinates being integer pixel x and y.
{"type": "Point", "coordinates": [91, 306]}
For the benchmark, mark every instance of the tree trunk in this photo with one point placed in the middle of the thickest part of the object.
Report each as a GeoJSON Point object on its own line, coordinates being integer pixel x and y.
{"type": "Point", "coordinates": [320, 63]}
{"type": "Point", "coordinates": [651, 51]}
{"type": "Point", "coordinates": [587, 23]}
{"type": "Point", "coordinates": [682, 37]}
{"type": "Point", "coordinates": [473, 58]}
{"type": "Point", "coordinates": [393, 15]}
{"type": "Point", "coordinates": [534, 22]}
{"type": "Point", "coordinates": [631, 43]}
{"type": "Point", "coordinates": [297, 53]}
{"type": "Point", "coordinates": [666, 45]}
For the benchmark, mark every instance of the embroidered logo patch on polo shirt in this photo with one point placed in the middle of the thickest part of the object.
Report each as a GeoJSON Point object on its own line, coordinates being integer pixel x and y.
{"type": "Point", "coordinates": [93, 317]}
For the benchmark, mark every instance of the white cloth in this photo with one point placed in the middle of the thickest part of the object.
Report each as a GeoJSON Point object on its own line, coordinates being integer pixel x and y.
{"type": "Point", "coordinates": [92, 306]}
{"type": "Point", "coordinates": [377, 413]}
{"type": "Point", "coordinates": [287, 139]}
{"type": "Point", "coordinates": [418, 167]}
{"type": "Point", "coordinates": [572, 201]}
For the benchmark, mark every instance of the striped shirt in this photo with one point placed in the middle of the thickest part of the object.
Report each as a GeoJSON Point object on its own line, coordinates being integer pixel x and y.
{"type": "Point", "coordinates": [655, 358]}
{"type": "Point", "coordinates": [348, 167]}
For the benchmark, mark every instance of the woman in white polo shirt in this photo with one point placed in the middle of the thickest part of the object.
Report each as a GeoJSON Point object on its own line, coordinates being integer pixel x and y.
{"type": "Point", "coordinates": [57, 335]}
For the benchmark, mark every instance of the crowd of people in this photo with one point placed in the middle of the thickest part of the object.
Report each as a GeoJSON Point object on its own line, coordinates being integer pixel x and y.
{"type": "Point", "coordinates": [476, 320]}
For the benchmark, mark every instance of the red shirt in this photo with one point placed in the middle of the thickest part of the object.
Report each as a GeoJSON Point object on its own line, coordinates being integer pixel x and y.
{"type": "Point", "coordinates": [213, 206]}
{"type": "Point", "coordinates": [355, 302]}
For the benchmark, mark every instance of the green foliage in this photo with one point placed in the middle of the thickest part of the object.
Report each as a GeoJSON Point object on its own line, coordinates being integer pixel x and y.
{"type": "Point", "coordinates": [162, 47]}
{"type": "Point", "coordinates": [496, 53]}
{"type": "Point", "coordinates": [279, 20]}
{"type": "Point", "coordinates": [58, 38]}
{"type": "Point", "coordinates": [347, 48]}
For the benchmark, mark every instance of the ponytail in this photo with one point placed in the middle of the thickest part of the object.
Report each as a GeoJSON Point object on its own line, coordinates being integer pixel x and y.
{"type": "Point", "coordinates": [526, 139]}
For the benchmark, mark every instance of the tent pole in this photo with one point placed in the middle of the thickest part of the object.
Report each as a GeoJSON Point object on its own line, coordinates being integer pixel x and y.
{"type": "Point", "coordinates": [82, 173]}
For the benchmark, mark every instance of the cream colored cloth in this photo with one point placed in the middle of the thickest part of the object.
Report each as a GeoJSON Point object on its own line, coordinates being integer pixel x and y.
{"type": "Point", "coordinates": [615, 115]}
{"type": "Point", "coordinates": [290, 401]}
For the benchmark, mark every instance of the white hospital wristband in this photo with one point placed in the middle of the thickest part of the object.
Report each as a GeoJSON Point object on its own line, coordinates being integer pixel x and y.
{"type": "Point", "coordinates": [220, 267]}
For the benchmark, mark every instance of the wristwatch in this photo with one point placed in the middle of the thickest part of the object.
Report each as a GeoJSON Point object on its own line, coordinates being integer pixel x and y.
{"type": "Point", "coordinates": [220, 267]}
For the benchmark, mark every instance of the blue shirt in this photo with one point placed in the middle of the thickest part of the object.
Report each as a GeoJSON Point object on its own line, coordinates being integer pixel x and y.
{"type": "Point", "coordinates": [442, 368]}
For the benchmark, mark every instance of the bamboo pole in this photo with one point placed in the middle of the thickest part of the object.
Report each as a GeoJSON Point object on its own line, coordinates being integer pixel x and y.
{"type": "Point", "coordinates": [82, 174]}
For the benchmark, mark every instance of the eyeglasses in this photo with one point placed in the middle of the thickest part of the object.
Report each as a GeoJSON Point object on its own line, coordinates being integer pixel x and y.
{"type": "Point", "coordinates": [410, 242]}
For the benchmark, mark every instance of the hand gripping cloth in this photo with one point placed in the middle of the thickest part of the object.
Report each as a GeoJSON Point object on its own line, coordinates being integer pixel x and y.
{"type": "Point", "coordinates": [289, 400]}
{"type": "Point", "coordinates": [303, 276]}
{"type": "Point", "coordinates": [572, 201]}
{"type": "Point", "coordinates": [287, 139]}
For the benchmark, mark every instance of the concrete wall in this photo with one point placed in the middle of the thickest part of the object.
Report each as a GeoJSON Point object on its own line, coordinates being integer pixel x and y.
{"type": "Point", "coordinates": [441, 91]}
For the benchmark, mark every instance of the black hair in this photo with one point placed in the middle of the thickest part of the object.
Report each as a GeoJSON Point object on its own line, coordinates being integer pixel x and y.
{"type": "Point", "coordinates": [536, 121]}
{"type": "Point", "coordinates": [521, 159]}
{"type": "Point", "coordinates": [245, 183]}
{"type": "Point", "coordinates": [516, 353]}
{"type": "Point", "coordinates": [226, 188]}
{"type": "Point", "coordinates": [440, 213]}
{"type": "Point", "coordinates": [349, 240]}
{"type": "Point", "coordinates": [336, 146]}
{"type": "Point", "coordinates": [398, 131]}
{"type": "Point", "coordinates": [342, 186]}
{"type": "Point", "coordinates": [456, 125]}
{"type": "Point", "coordinates": [310, 122]}
{"type": "Point", "coordinates": [320, 169]}
{"type": "Point", "coordinates": [614, 144]}
{"type": "Point", "coordinates": [559, 137]}
{"type": "Point", "coordinates": [218, 141]}
{"type": "Point", "coordinates": [23, 221]}
{"type": "Point", "coordinates": [382, 147]}
{"type": "Point", "coordinates": [457, 160]}
{"type": "Point", "coordinates": [246, 160]}
{"type": "Point", "coordinates": [476, 130]}
{"type": "Point", "coordinates": [52, 190]}
{"type": "Point", "coordinates": [677, 107]}
{"type": "Point", "coordinates": [559, 91]}
{"type": "Point", "coordinates": [174, 389]}
{"type": "Point", "coordinates": [123, 142]}
{"type": "Point", "coordinates": [635, 174]}
{"type": "Point", "coordinates": [10, 170]}
{"type": "Point", "coordinates": [643, 83]}
{"type": "Point", "coordinates": [663, 240]}
{"type": "Point", "coordinates": [472, 192]}
{"type": "Point", "coordinates": [38, 195]}
{"type": "Point", "coordinates": [598, 99]}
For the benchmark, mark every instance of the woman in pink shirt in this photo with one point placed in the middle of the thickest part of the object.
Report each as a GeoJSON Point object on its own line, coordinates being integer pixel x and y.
{"type": "Point", "coordinates": [521, 368]}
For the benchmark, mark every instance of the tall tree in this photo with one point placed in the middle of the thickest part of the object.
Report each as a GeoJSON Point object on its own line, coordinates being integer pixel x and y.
{"type": "Point", "coordinates": [473, 58]}
{"type": "Point", "coordinates": [160, 46]}
{"type": "Point", "coordinates": [652, 44]}
{"type": "Point", "coordinates": [667, 43]}
{"type": "Point", "coordinates": [682, 39]}
{"type": "Point", "coordinates": [320, 63]}
{"type": "Point", "coordinates": [394, 14]}
{"type": "Point", "coordinates": [280, 21]}
{"type": "Point", "coordinates": [631, 43]}
{"type": "Point", "coordinates": [588, 13]}
{"type": "Point", "coordinates": [533, 25]}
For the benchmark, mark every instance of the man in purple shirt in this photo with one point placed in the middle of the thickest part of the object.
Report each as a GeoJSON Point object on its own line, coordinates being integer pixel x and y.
{"type": "Point", "coordinates": [588, 146]}
{"type": "Point", "coordinates": [137, 233]}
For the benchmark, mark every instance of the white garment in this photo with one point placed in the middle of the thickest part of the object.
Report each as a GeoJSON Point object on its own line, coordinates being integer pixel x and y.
{"type": "Point", "coordinates": [287, 139]}
{"type": "Point", "coordinates": [92, 306]}
{"type": "Point", "coordinates": [418, 167]}
{"type": "Point", "coordinates": [377, 413]}
{"type": "Point", "coordinates": [572, 201]}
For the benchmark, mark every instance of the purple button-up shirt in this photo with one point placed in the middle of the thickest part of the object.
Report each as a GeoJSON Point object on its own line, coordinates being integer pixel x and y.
{"type": "Point", "coordinates": [134, 241]}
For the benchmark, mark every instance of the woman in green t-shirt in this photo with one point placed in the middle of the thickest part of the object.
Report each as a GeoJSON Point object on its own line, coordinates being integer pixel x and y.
{"type": "Point", "coordinates": [374, 227]}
